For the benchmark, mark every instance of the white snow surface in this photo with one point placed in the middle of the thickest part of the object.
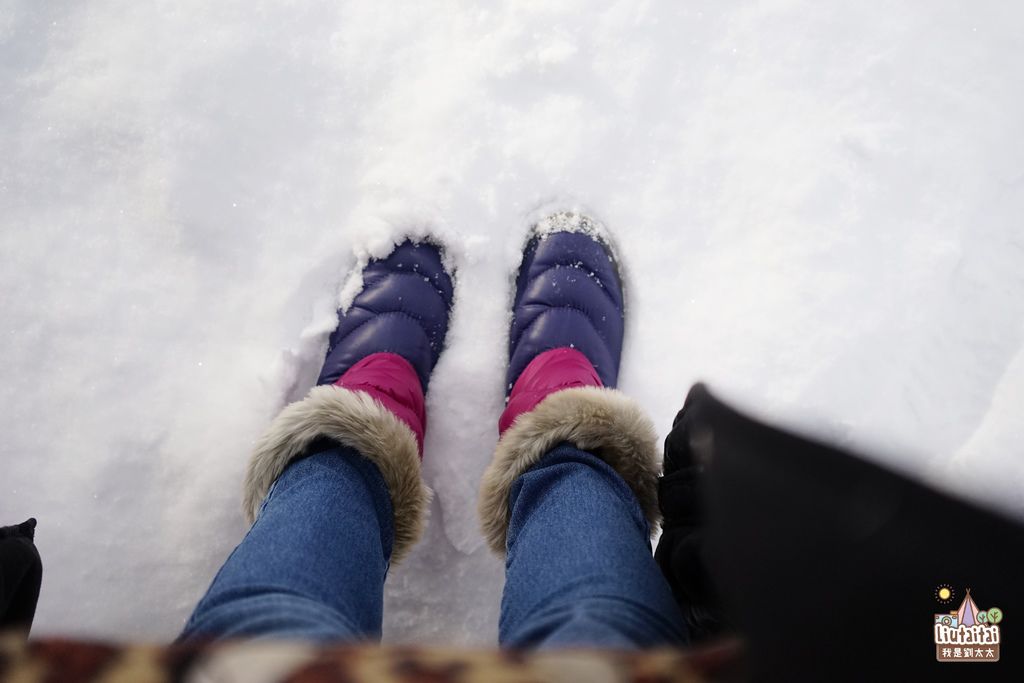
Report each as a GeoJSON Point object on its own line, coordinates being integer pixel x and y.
{"type": "Point", "coordinates": [818, 207]}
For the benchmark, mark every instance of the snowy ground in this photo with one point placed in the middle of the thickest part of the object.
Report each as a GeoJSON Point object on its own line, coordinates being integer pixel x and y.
{"type": "Point", "coordinates": [819, 206]}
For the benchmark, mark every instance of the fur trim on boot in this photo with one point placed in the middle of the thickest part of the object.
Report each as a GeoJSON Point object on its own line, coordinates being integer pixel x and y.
{"type": "Point", "coordinates": [354, 419]}
{"type": "Point", "coordinates": [603, 421]}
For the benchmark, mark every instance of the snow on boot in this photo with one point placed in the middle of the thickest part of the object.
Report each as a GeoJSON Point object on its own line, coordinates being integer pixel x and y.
{"type": "Point", "coordinates": [370, 394]}
{"type": "Point", "coordinates": [565, 344]}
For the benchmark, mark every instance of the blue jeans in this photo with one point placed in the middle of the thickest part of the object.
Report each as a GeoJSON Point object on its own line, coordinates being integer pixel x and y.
{"type": "Point", "coordinates": [579, 569]}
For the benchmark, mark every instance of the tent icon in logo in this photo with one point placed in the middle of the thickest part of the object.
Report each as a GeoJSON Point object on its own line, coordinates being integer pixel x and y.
{"type": "Point", "coordinates": [967, 614]}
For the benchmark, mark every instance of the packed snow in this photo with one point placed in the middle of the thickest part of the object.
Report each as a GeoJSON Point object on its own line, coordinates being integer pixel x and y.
{"type": "Point", "coordinates": [817, 206]}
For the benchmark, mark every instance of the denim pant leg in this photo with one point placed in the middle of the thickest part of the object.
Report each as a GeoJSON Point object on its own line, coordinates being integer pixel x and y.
{"type": "Point", "coordinates": [579, 568]}
{"type": "Point", "coordinates": [313, 564]}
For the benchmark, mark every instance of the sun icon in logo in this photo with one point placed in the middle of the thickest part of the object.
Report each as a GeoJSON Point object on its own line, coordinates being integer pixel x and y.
{"type": "Point", "coordinates": [944, 593]}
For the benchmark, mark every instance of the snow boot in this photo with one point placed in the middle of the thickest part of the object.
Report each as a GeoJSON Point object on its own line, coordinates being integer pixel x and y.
{"type": "Point", "coordinates": [565, 344]}
{"type": "Point", "coordinates": [370, 393]}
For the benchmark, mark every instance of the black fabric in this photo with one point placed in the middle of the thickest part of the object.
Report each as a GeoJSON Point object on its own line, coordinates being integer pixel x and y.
{"type": "Point", "coordinates": [680, 551]}
{"type": "Point", "coordinates": [21, 574]}
{"type": "Point", "coordinates": [826, 564]}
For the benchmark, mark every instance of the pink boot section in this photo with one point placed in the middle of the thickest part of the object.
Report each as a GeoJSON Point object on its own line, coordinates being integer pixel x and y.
{"type": "Point", "coordinates": [549, 372]}
{"type": "Point", "coordinates": [391, 380]}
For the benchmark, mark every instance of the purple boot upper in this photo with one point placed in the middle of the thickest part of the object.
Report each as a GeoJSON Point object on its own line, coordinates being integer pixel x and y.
{"type": "Point", "coordinates": [402, 309]}
{"type": "Point", "coordinates": [568, 294]}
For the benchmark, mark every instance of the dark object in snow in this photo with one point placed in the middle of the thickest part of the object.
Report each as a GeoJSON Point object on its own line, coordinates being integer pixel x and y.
{"type": "Point", "coordinates": [830, 567]}
{"type": "Point", "coordinates": [680, 551]}
{"type": "Point", "coordinates": [21, 574]}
